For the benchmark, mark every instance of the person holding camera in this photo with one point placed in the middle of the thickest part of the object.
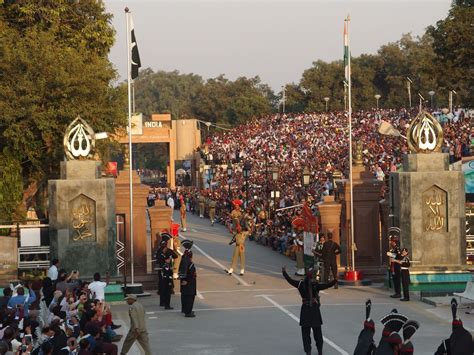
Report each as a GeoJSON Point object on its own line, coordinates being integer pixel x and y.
{"type": "Point", "coordinates": [21, 302]}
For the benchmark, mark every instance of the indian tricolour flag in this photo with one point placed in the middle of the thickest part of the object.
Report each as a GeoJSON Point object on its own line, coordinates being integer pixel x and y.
{"type": "Point", "coordinates": [347, 65]}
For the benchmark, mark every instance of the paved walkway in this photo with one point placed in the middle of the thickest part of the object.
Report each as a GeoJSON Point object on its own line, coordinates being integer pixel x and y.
{"type": "Point", "coordinates": [257, 314]}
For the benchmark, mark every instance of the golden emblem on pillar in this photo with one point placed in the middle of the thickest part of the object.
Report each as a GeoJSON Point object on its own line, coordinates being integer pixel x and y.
{"type": "Point", "coordinates": [82, 219]}
{"type": "Point", "coordinates": [425, 134]}
{"type": "Point", "coordinates": [79, 140]}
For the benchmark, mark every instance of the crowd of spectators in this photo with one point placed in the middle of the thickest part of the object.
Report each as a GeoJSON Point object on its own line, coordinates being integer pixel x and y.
{"type": "Point", "coordinates": [64, 315]}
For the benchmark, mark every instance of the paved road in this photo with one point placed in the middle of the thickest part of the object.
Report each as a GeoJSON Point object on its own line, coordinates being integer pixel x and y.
{"type": "Point", "coordinates": [257, 314]}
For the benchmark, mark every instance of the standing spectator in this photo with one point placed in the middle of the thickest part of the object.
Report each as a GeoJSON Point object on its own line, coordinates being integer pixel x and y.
{"type": "Point", "coordinates": [53, 270]}
{"type": "Point", "coordinates": [137, 327]}
{"type": "Point", "coordinates": [21, 302]}
{"type": "Point", "coordinates": [170, 202]}
{"type": "Point", "coordinates": [97, 287]}
{"type": "Point", "coordinates": [7, 294]}
{"type": "Point", "coordinates": [330, 251]}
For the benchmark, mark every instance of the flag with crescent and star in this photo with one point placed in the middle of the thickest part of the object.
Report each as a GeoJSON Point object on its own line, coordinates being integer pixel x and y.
{"type": "Point", "coordinates": [135, 56]}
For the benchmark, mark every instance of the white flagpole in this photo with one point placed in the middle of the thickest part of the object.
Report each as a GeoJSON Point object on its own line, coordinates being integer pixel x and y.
{"type": "Point", "coordinates": [349, 103]}
{"type": "Point", "coordinates": [129, 79]}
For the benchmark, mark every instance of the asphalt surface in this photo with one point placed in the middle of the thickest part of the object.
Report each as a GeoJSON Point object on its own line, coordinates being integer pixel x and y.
{"type": "Point", "coordinates": [257, 314]}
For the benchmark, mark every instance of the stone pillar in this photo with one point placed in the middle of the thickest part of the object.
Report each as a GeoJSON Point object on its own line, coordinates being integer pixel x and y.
{"type": "Point", "coordinates": [366, 217]}
{"type": "Point", "coordinates": [82, 218]}
{"type": "Point", "coordinates": [429, 202]}
{"type": "Point", "coordinates": [8, 260]}
{"type": "Point", "coordinates": [160, 220]}
{"type": "Point", "coordinates": [331, 217]}
{"type": "Point", "coordinates": [140, 193]}
{"type": "Point", "coordinates": [385, 225]}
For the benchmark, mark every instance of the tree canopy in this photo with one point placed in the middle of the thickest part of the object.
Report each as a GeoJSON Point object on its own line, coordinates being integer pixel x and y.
{"type": "Point", "coordinates": [53, 67]}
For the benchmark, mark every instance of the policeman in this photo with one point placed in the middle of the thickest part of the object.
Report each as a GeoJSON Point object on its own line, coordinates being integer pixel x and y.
{"type": "Point", "coordinates": [310, 314]}
{"type": "Point", "coordinates": [394, 254]}
{"type": "Point", "coordinates": [188, 285]}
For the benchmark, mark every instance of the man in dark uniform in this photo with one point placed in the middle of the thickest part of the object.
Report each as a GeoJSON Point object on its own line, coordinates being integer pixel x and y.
{"type": "Point", "coordinates": [405, 274]}
{"type": "Point", "coordinates": [409, 329]}
{"type": "Point", "coordinates": [183, 266]}
{"type": "Point", "coordinates": [391, 341]}
{"type": "Point", "coordinates": [162, 254]}
{"type": "Point", "coordinates": [166, 283]}
{"type": "Point", "coordinates": [365, 342]}
{"type": "Point", "coordinates": [310, 314]}
{"type": "Point", "coordinates": [188, 286]}
{"type": "Point", "coordinates": [330, 251]}
{"type": "Point", "coordinates": [394, 254]}
{"type": "Point", "coordinates": [460, 342]}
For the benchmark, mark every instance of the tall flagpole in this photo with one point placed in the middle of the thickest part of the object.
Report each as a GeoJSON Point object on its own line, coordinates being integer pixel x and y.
{"type": "Point", "coordinates": [349, 103]}
{"type": "Point", "coordinates": [129, 60]}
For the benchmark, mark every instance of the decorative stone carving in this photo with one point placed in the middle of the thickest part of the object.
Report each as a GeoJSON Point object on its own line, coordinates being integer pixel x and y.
{"type": "Point", "coordinates": [435, 209]}
{"type": "Point", "coordinates": [83, 220]}
{"type": "Point", "coordinates": [425, 134]}
{"type": "Point", "coordinates": [79, 140]}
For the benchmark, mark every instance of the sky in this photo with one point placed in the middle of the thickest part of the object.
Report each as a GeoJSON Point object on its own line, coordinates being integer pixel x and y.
{"type": "Point", "coordinates": [276, 40]}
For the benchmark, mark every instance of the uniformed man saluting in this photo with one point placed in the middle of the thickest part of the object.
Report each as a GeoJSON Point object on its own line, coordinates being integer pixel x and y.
{"type": "Point", "coordinates": [137, 327]}
{"type": "Point", "coordinates": [310, 314]}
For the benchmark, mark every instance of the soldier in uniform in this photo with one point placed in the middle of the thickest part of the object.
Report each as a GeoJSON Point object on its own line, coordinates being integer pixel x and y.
{"type": "Point", "coordinates": [405, 273]}
{"type": "Point", "coordinates": [166, 284]}
{"type": "Point", "coordinates": [310, 314]}
{"type": "Point", "coordinates": [212, 209]}
{"type": "Point", "coordinates": [202, 201]}
{"type": "Point", "coordinates": [409, 329]}
{"type": "Point", "coordinates": [182, 213]}
{"type": "Point", "coordinates": [391, 341]}
{"type": "Point", "coordinates": [239, 229]}
{"type": "Point", "coordinates": [175, 245]}
{"type": "Point", "coordinates": [365, 342]}
{"type": "Point", "coordinates": [163, 253]}
{"type": "Point", "coordinates": [138, 329]}
{"type": "Point", "coordinates": [394, 254]}
{"type": "Point", "coordinates": [188, 286]}
{"type": "Point", "coordinates": [183, 266]}
{"type": "Point", "coordinates": [330, 251]}
{"type": "Point", "coordinates": [460, 342]}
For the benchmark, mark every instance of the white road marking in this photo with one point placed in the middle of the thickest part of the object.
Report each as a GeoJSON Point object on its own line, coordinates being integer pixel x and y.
{"type": "Point", "coordinates": [292, 316]}
{"type": "Point", "coordinates": [242, 282]}
{"type": "Point", "coordinates": [152, 317]}
{"type": "Point", "coordinates": [249, 290]}
{"type": "Point", "coordinates": [199, 295]}
{"type": "Point", "coordinates": [195, 231]}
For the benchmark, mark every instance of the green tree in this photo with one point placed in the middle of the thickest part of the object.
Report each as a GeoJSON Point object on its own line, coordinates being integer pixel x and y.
{"type": "Point", "coordinates": [48, 77]}
{"type": "Point", "coordinates": [453, 40]}
{"type": "Point", "coordinates": [11, 187]}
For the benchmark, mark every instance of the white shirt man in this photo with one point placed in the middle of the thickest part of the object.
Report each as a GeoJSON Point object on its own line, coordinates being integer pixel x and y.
{"type": "Point", "coordinates": [170, 202]}
{"type": "Point", "coordinates": [53, 271]}
{"type": "Point", "coordinates": [97, 288]}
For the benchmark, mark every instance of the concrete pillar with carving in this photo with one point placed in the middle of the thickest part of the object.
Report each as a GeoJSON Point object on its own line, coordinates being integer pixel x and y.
{"type": "Point", "coordinates": [331, 217]}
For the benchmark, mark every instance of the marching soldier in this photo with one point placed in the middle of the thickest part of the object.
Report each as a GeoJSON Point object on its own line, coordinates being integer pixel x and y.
{"type": "Point", "coordinates": [365, 342]}
{"type": "Point", "coordinates": [409, 329]}
{"type": "Point", "coordinates": [202, 201]}
{"type": "Point", "coordinates": [391, 341]}
{"type": "Point", "coordinates": [239, 228]}
{"type": "Point", "coordinates": [212, 209]}
{"type": "Point", "coordinates": [182, 213]}
{"type": "Point", "coordinates": [460, 342]}
{"type": "Point", "coordinates": [310, 314]}
{"type": "Point", "coordinates": [394, 254]}
{"type": "Point", "coordinates": [188, 286]}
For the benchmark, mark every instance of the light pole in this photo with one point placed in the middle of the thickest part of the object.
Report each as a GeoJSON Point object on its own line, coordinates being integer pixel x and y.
{"type": "Point", "coordinates": [377, 98]}
{"type": "Point", "coordinates": [326, 99]}
{"type": "Point", "coordinates": [229, 177]}
{"type": "Point", "coordinates": [246, 173]}
{"type": "Point", "coordinates": [451, 92]}
{"type": "Point", "coordinates": [275, 174]}
{"type": "Point", "coordinates": [409, 82]}
{"type": "Point", "coordinates": [213, 173]}
{"type": "Point", "coordinates": [306, 179]}
{"type": "Point", "coordinates": [201, 170]}
{"type": "Point", "coordinates": [283, 98]}
{"type": "Point", "coordinates": [431, 93]}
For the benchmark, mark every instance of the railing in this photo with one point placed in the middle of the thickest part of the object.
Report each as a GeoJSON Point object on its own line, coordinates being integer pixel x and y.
{"type": "Point", "coordinates": [40, 254]}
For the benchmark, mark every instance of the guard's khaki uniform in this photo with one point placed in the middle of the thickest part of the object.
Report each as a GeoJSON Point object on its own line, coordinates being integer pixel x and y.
{"type": "Point", "coordinates": [239, 251]}
{"type": "Point", "coordinates": [182, 212]}
{"type": "Point", "coordinates": [137, 329]}
{"type": "Point", "coordinates": [176, 246]}
{"type": "Point", "coordinates": [212, 210]}
{"type": "Point", "coordinates": [202, 201]}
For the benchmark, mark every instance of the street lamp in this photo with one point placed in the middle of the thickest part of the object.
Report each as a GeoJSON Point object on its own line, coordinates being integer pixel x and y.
{"type": "Point", "coordinates": [213, 173]}
{"type": "Point", "coordinates": [275, 194]}
{"type": "Point", "coordinates": [327, 100]}
{"type": "Point", "coordinates": [201, 170]}
{"type": "Point", "coordinates": [275, 173]}
{"type": "Point", "coordinates": [306, 176]}
{"type": "Point", "coordinates": [377, 97]}
{"type": "Point", "coordinates": [246, 173]}
{"type": "Point", "coordinates": [431, 93]}
{"type": "Point", "coordinates": [229, 176]}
